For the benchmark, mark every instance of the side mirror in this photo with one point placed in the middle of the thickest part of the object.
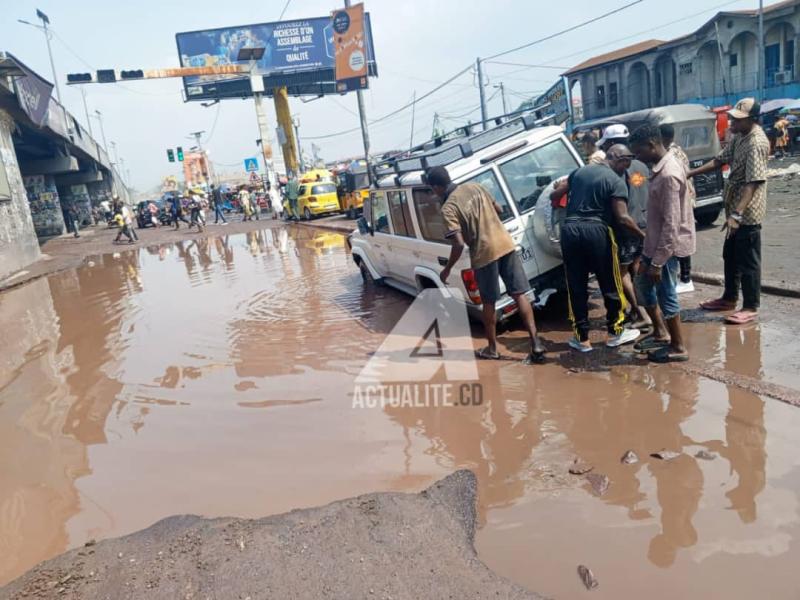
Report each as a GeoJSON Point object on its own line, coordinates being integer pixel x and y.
{"type": "Point", "coordinates": [363, 226]}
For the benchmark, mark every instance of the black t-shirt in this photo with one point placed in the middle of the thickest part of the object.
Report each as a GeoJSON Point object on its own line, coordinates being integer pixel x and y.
{"type": "Point", "coordinates": [591, 189]}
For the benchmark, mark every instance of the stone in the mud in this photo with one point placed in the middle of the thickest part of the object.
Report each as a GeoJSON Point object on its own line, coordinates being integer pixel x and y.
{"type": "Point", "coordinates": [629, 458]}
{"type": "Point", "coordinates": [665, 454]}
{"type": "Point", "coordinates": [587, 577]}
{"type": "Point", "coordinates": [705, 455]}
{"type": "Point", "coordinates": [294, 555]}
{"type": "Point", "coordinates": [578, 467]}
{"type": "Point", "coordinates": [598, 482]}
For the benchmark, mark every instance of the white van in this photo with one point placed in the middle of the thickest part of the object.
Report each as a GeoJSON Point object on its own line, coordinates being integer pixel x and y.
{"type": "Point", "coordinates": [401, 240]}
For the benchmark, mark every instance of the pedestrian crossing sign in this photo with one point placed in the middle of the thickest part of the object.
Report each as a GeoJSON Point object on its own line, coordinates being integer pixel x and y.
{"type": "Point", "coordinates": [251, 164]}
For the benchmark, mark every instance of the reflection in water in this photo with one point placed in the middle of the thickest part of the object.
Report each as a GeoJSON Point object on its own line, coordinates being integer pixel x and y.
{"type": "Point", "coordinates": [214, 376]}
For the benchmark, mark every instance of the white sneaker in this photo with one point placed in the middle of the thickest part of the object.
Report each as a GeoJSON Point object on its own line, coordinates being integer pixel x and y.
{"type": "Point", "coordinates": [575, 344]}
{"type": "Point", "coordinates": [626, 337]}
{"type": "Point", "coordinates": [684, 288]}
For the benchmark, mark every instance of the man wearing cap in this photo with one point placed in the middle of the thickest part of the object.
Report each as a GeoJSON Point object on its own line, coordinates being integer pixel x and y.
{"type": "Point", "coordinates": [596, 203]}
{"type": "Point", "coordinates": [745, 209]}
{"type": "Point", "coordinates": [636, 176]}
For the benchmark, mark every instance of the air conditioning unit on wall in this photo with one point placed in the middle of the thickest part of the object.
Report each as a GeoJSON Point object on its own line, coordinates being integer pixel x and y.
{"type": "Point", "coordinates": [783, 77]}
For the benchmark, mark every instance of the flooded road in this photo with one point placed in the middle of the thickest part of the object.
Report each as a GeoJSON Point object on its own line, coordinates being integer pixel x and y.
{"type": "Point", "coordinates": [215, 377]}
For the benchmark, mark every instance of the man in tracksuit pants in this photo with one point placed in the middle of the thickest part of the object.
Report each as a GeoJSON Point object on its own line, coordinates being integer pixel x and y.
{"type": "Point", "coordinates": [596, 202]}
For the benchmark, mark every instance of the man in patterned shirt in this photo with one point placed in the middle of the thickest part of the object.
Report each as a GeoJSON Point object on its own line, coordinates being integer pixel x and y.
{"type": "Point", "coordinates": [745, 209]}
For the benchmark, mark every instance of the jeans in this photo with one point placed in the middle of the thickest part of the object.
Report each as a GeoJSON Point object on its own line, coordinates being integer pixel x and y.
{"type": "Point", "coordinates": [742, 255]}
{"type": "Point", "coordinates": [664, 294]}
{"type": "Point", "coordinates": [218, 215]}
{"type": "Point", "coordinates": [293, 207]}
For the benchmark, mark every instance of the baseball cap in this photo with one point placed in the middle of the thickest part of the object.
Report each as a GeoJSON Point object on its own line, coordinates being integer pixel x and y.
{"type": "Point", "coordinates": [613, 132]}
{"type": "Point", "coordinates": [746, 108]}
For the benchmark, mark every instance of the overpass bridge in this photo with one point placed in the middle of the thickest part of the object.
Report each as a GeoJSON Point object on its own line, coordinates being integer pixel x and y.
{"type": "Point", "coordinates": [48, 163]}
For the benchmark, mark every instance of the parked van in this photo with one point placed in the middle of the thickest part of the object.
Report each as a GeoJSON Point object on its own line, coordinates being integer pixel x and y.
{"type": "Point", "coordinates": [695, 132]}
{"type": "Point", "coordinates": [401, 240]}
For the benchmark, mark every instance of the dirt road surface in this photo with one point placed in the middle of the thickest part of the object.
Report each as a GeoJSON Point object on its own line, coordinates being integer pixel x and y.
{"type": "Point", "coordinates": [215, 376]}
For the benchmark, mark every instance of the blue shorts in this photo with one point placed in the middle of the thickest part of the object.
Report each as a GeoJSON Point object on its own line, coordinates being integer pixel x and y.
{"type": "Point", "coordinates": [665, 293]}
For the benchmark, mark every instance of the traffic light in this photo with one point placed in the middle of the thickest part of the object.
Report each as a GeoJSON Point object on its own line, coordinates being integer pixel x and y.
{"type": "Point", "coordinates": [170, 155]}
{"type": "Point", "coordinates": [134, 74]}
{"type": "Point", "coordinates": [79, 78]}
{"type": "Point", "coordinates": [180, 153]}
{"type": "Point", "coordinates": [106, 76]}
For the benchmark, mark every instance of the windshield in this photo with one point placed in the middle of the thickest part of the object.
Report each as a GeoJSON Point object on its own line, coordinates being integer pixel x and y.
{"type": "Point", "coordinates": [325, 188]}
{"type": "Point", "coordinates": [527, 175]}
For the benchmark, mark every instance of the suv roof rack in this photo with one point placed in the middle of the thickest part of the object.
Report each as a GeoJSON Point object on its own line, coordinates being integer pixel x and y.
{"type": "Point", "coordinates": [430, 155]}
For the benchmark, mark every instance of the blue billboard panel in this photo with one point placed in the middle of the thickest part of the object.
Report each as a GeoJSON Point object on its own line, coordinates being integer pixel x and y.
{"type": "Point", "coordinates": [299, 53]}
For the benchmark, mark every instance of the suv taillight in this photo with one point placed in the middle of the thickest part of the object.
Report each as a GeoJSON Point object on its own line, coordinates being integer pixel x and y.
{"type": "Point", "coordinates": [471, 285]}
{"type": "Point", "coordinates": [726, 170]}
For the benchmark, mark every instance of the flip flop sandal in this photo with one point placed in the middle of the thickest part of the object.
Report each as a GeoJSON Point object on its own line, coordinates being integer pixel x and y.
{"type": "Point", "coordinates": [665, 355]}
{"type": "Point", "coordinates": [650, 343]}
{"type": "Point", "coordinates": [741, 318]}
{"type": "Point", "coordinates": [485, 354]}
{"type": "Point", "coordinates": [717, 305]}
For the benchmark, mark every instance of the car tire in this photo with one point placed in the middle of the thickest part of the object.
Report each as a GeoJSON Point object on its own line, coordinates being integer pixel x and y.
{"type": "Point", "coordinates": [366, 276]}
{"type": "Point", "coordinates": [707, 219]}
{"type": "Point", "coordinates": [307, 214]}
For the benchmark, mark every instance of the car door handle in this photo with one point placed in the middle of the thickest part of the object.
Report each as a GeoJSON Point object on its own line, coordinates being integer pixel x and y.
{"type": "Point", "coordinates": [415, 254]}
{"type": "Point", "coordinates": [513, 229]}
{"type": "Point", "coordinates": [442, 261]}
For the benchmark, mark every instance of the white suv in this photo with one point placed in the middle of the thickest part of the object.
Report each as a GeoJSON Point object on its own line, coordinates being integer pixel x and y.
{"type": "Point", "coordinates": [400, 240]}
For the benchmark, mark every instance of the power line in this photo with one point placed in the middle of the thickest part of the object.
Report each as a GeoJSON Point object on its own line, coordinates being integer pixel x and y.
{"type": "Point", "coordinates": [527, 66]}
{"type": "Point", "coordinates": [285, 6]}
{"type": "Point", "coordinates": [563, 31]}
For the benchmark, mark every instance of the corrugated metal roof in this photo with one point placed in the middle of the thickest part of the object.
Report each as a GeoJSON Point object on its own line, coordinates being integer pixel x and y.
{"type": "Point", "coordinates": [616, 55]}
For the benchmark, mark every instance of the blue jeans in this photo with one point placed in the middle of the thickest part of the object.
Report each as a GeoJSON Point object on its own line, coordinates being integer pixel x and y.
{"type": "Point", "coordinates": [664, 294]}
{"type": "Point", "coordinates": [218, 214]}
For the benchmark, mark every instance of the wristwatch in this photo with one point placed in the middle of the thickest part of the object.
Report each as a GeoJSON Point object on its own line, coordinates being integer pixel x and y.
{"type": "Point", "coordinates": [736, 216]}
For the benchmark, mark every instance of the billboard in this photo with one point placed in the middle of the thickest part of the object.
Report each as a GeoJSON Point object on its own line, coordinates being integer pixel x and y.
{"type": "Point", "coordinates": [351, 62]}
{"type": "Point", "coordinates": [554, 102]}
{"type": "Point", "coordinates": [298, 54]}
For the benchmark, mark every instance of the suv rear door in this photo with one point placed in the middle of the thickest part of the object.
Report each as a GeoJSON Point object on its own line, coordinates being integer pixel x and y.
{"type": "Point", "coordinates": [403, 252]}
{"type": "Point", "coordinates": [381, 237]}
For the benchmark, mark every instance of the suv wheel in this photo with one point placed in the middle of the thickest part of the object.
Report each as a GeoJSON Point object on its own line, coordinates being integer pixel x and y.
{"type": "Point", "coordinates": [707, 219]}
{"type": "Point", "coordinates": [307, 214]}
{"type": "Point", "coordinates": [366, 276]}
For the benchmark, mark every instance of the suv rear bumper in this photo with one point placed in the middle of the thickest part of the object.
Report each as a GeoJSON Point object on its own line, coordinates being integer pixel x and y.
{"type": "Point", "coordinates": [708, 201]}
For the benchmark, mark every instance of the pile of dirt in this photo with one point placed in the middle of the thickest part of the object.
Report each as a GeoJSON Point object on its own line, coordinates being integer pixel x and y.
{"type": "Point", "coordinates": [383, 545]}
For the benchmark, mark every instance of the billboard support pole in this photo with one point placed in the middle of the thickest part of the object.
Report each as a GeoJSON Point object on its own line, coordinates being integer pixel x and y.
{"type": "Point", "coordinates": [284, 117]}
{"type": "Point", "coordinates": [362, 115]}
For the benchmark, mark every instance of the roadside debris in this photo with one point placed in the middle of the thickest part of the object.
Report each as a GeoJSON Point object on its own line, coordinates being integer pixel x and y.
{"type": "Point", "coordinates": [587, 577]}
{"type": "Point", "coordinates": [705, 455]}
{"type": "Point", "coordinates": [789, 172]}
{"type": "Point", "coordinates": [598, 482]}
{"type": "Point", "coordinates": [579, 467]}
{"type": "Point", "coordinates": [665, 454]}
{"type": "Point", "coordinates": [629, 458]}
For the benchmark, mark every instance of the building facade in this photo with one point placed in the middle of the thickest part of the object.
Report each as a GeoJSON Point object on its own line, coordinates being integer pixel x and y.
{"type": "Point", "coordinates": [715, 65]}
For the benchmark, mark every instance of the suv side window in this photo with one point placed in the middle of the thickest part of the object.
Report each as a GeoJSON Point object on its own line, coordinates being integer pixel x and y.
{"type": "Point", "coordinates": [527, 175]}
{"type": "Point", "coordinates": [489, 181]}
{"type": "Point", "coordinates": [380, 213]}
{"type": "Point", "coordinates": [401, 218]}
{"type": "Point", "coordinates": [429, 215]}
{"type": "Point", "coordinates": [301, 191]}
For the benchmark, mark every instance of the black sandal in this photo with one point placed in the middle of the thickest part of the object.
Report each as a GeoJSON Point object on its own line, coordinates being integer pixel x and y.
{"type": "Point", "coordinates": [485, 354]}
{"type": "Point", "coordinates": [666, 355]}
{"type": "Point", "coordinates": [649, 343]}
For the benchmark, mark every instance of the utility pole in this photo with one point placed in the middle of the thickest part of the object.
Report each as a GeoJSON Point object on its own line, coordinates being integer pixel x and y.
{"type": "Point", "coordinates": [362, 114]}
{"type": "Point", "coordinates": [116, 155]}
{"type": "Point", "coordinates": [284, 117]}
{"type": "Point", "coordinates": [502, 89]}
{"type": "Point", "coordinates": [86, 112]}
{"type": "Point", "coordinates": [413, 114]}
{"type": "Point", "coordinates": [484, 116]}
{"type": "Point", "coordinates": [43, 27]}
{"type": "Point", "coordinates": [761, 56]}
{"type": "Point", "coordinates": [296, 125]}
{"type": "Point", "coordinates": [196, 135]}
{"type": "Point", "coordinates": [102, 131]}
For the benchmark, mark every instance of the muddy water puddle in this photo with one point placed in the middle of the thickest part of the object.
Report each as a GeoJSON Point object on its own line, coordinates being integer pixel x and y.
{"type": "Point", "coordinates": [216, 377]}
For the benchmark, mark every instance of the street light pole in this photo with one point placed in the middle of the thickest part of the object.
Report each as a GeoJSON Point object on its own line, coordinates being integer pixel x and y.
{"type": "Point", "coordinates": [86, 112]}
{"type": "Point", "coordinates": [296, 125]}
{"type": "Point", "coordinates": [116, 155]}
{"type": "Point", "coordinates": [482, 92]}
{"type": "Point", "coordinates": [102, 131]}
{"type": "Point", "coordinates": [43, 27]}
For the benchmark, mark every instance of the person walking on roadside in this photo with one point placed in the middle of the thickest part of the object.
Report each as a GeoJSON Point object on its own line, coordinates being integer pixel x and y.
{"type": "Point", "coordinates": [596, 203]}
{"type": "Point", "coordinates": [668, 138]}
{"type": "Point", "coordinates": [292, 192]}
{"type": "Point", "coordinates": [670, 236]}
{"type": "Point", "coordinates": [745, 208]}
{"type": "Point", "coordinates": [127, 214]}
{"type": "Point", "coordinates": [216, 198]}
{"type": "Point", "coordinates": [176, 211]}
{"type": "Point", "coordinates": [123, 227]}
{"type": "Point", "coordinates": [71, 214]}
{"type": "Point", "coordinates": [105, 207]}
{"type": "Point", "coordinates": [781, 137]}
{"type": "Point", "coordinates": [244, 201]}
{"type": "Point", "coordinates": [471, 218]}
{"type": "Point", "coordinates": [195, 218]}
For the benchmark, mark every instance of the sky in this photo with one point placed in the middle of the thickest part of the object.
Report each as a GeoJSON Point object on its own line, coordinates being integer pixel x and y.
{"type": "Point", "coordinates": [418, 45]}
